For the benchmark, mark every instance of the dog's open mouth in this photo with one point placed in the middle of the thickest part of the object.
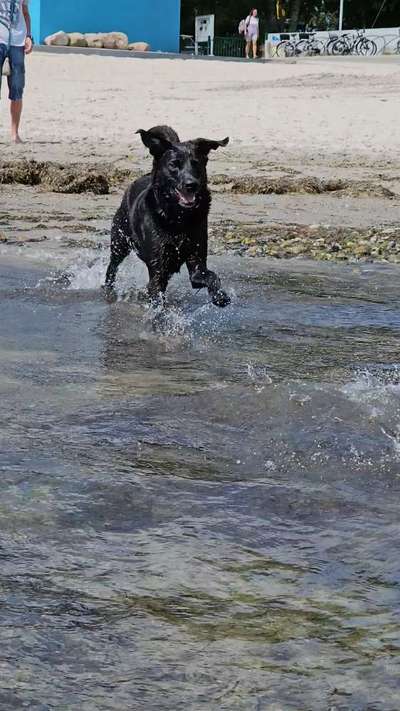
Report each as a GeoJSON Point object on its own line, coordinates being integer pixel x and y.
{"type": "Point", "coordinates": [186, 198]}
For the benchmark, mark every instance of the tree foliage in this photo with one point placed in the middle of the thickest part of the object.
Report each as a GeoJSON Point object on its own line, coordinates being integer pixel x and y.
{"type": "Point", "coordinates": [228, 13]}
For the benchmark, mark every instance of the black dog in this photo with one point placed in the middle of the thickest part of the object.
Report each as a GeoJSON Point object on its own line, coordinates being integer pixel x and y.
{"type": "Point", "coordinates": [163, 216]}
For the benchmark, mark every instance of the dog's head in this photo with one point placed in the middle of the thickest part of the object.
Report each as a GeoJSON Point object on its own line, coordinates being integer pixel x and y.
{"type": "Point", "coordinates": [179, 169]}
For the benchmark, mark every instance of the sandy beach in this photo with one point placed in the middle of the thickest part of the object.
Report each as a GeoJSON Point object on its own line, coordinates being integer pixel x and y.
{"type": "Point", "coordinates": [319, 118]}
{"type": "Point", "coordinates": [320, 109]}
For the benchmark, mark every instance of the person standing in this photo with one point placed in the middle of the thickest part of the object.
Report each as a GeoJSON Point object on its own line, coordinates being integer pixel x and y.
{"type": "Point", "coordinates": [15, 42]}
{"type": "Point", "coordinates": [252, 32]}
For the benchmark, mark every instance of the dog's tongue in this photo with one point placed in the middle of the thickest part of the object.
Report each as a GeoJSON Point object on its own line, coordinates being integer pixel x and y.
{"type": "Point", "coordinates": [185, 197]}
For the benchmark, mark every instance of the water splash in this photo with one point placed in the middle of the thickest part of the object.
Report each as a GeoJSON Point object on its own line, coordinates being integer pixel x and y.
{"type": "Point", "coordinates": [377, 391]}
{"type": "Point", "coordinates": [375, 388]}
{"type": "Point", "coordinates": [259, 376]}
{"type": "Point", "coordinates": [182, 323]}
{"type": "Point", "coordinates": [394, 437]}
{"type": "Point", "coordinates": [90, 274]}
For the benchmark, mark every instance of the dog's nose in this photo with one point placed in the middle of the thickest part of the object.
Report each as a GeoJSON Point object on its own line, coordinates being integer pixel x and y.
{"type": "Point", "coordinates": [191, 185]}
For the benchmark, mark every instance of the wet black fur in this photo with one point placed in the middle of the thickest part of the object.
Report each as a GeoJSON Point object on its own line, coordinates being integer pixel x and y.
{"type": "Point", "coordinates": [163, 216]}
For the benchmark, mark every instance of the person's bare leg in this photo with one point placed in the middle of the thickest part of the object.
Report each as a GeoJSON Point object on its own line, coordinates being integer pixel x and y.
{"type": "Point", "coordinates": [254, 49]}
{"type": "Point", "coordinates": [247, 49]}
{"type": "Point", "coordinates": [16, 111]}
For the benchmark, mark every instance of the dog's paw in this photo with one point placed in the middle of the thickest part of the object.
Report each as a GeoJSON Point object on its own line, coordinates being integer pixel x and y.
{"type": "Point", "coordinates": [142, 295]}
{"type": "Point", "coordinates": [109, 293]}
{"type": "Point", "coordinates": [221, 298]}
{"type": "Point", "coordinates": [197, 280]}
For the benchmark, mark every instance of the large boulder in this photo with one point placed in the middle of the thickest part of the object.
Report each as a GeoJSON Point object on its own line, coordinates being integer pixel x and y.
{"type": "Point", "coordinates": [115, 40]}
{"type": "Point", "coordinates": [76, 39]}
{"type": "Point", "coordinates": [58, 39]}
{"type": "Point", "coordinates": [139, 47]}
{"type": "Point", "coordinates": [95, 39]}
{"type": "Point", "coordinates": [121, 40]}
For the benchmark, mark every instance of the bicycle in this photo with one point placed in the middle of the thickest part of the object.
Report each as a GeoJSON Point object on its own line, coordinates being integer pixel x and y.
{"type": "Point", "coordinates": [365, 46]}
{"type": "Point", "coordinates": [309, 46]}
{"type": "Point", "coordinates": [285, 48]}
{"type": "Point", "coordinates": [330, 43]}
{"type": "Point", "coordinates": [354, 44]}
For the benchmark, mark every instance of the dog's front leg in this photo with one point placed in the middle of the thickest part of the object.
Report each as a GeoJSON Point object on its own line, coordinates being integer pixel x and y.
{"type": "Point", "coordinates": [201, 277]}
{"type": "Point", "coordinates": [157, 284]}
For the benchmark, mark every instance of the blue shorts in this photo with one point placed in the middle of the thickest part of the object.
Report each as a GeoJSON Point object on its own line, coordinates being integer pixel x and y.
{"type": "Point", "coordinates": [16, 80]}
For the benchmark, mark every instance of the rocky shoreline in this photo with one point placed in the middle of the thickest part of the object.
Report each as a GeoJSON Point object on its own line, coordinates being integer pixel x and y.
{"type": "Point", "coordinates": [322, 242]}
{"type": "Point", "coordinates": [86, 224]}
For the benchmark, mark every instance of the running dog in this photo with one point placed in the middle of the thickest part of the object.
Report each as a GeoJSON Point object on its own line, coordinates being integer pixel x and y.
{"type": "Point", "coordinates": [163, 216]}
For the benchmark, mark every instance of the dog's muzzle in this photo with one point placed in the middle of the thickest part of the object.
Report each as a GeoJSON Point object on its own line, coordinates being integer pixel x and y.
{"type": "Point", "coordinates": [187, 194]}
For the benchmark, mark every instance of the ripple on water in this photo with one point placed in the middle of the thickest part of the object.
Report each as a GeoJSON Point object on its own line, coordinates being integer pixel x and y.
{"type": "Point", "coordinates": [200, 506]}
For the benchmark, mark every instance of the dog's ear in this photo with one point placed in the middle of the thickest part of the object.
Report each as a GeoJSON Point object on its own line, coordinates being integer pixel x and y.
{"type": "Point", "coordinates": [165, 132]}
{"type": "Point", "coordinates": [155, 141]}
{"type": "Point", "coordinates": [204, 146]}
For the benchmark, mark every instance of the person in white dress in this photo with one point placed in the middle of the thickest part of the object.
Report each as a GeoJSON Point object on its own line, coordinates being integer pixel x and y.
{"type": "Point", "coordinates": [252, 33]}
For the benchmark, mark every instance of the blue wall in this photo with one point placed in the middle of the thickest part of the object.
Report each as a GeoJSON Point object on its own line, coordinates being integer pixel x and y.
{"type": "Point", "coordinates": [35, 11]}
{"type": "Point", "coordinates": [154, 21]}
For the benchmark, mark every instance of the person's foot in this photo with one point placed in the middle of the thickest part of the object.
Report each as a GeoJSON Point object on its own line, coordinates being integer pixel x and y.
{"type": "Point", "coordinates": [16, 139]}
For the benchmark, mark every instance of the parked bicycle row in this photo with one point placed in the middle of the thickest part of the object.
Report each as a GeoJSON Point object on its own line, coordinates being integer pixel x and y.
{"type": "Point", "coordinates": [355, 43]}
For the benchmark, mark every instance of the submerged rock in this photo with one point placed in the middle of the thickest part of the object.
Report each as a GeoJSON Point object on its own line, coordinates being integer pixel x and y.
{"type": "Point", "coordinates": [82, 243]}
{"type": "Point", "coordinates": [21, 239]}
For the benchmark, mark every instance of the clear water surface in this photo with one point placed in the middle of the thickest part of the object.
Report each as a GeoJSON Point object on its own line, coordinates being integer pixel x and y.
{"type": "Point", "coordinates": [200, 507]}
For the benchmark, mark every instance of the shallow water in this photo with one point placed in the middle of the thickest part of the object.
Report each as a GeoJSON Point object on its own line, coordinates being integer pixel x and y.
{"type": "Point", "coordinates": [200, 507]}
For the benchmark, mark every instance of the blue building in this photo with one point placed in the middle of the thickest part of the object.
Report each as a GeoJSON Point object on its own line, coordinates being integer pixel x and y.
{"type": "Point", "coordinates": [154, 21]}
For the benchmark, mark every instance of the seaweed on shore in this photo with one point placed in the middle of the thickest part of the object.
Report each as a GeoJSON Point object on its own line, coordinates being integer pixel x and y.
{"type": "Point", "coordinates": [260, 185]}
{"type": "Point", "coordinates": [59, 178]}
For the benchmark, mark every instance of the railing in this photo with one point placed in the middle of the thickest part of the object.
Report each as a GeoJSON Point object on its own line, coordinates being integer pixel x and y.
{"type": "Point", "coordinates": [229, 46]}
{"type": "Point", "coordinates": [222, 47]}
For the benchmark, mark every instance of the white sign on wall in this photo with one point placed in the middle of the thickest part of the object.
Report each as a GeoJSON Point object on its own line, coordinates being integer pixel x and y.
{"type": "Point", "coordinates": [204, 30]}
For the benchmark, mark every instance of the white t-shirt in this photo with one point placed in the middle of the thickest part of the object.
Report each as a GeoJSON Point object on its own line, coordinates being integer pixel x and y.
{"type": "Point", "coordinates": [252, 24]}
{"type": "Point", "coordinates": [12, 22]}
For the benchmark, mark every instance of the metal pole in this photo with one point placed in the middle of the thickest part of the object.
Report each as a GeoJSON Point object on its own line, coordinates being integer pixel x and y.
{"type": "Point", "coordinates": [341, 15]}
{"type": "Point", "coordinates": [379, 12]}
